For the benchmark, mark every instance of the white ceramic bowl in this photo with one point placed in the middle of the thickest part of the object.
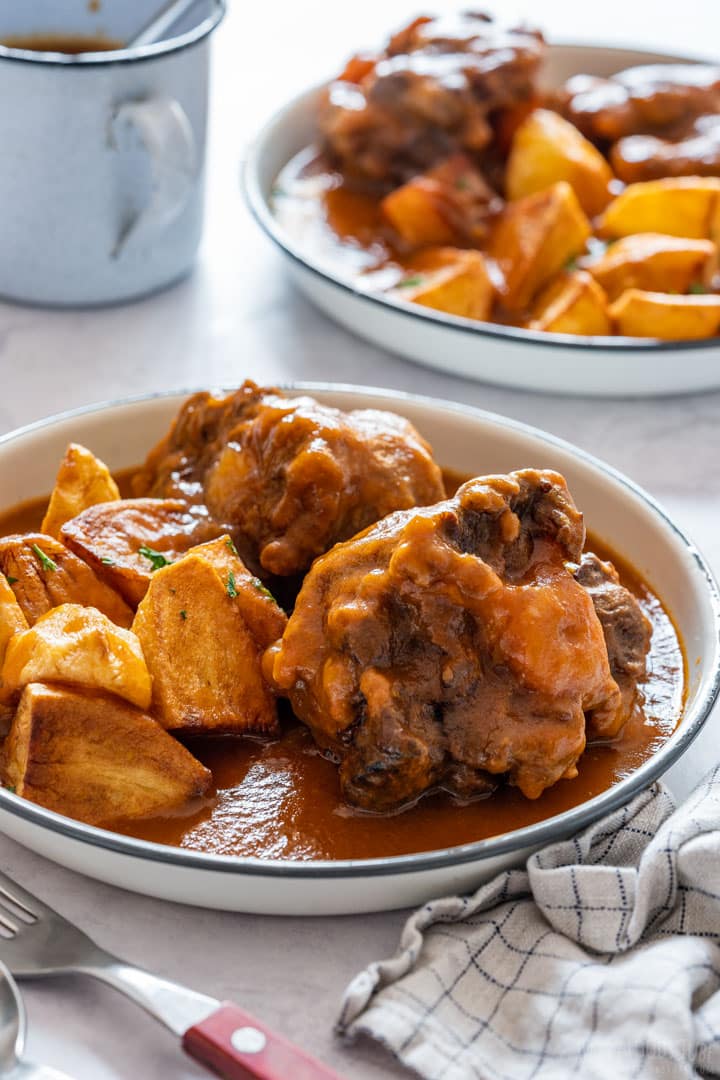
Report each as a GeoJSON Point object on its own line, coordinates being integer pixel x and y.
{"type": "Point", "coordinates": [558, 363]}
{"type": "Point", "coordinates": [465, 439]}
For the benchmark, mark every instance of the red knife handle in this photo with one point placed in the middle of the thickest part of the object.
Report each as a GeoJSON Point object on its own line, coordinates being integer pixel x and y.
{"type": "Point", "coordinates": [238, 1047]}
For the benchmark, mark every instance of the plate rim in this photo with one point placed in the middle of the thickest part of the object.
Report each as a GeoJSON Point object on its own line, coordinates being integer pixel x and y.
{"type": "Point", "coordinates": [532, 836]}
{"type": "Point", "coordinates": [261, 212]}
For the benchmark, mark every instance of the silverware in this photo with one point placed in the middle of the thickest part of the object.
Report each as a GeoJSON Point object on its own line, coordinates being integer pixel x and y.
{"type": "Point", "coordinates": [158, 26]}
{"type": "Point", "coordinates": [13, 1024]}
{"type": "Point", "coordinates": [35, 942]}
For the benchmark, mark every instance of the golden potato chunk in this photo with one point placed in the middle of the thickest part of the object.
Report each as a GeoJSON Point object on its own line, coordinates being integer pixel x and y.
{"type": "Point", "coordinates": [547, 148]}
{"type": "Point", "coordinates": [682, 206]}
{"type": "Point", "coordinates": [203, 627]}
{"type": "Point", "coordinates": [462, 286]}
{"type": "Point", "coordinates": [664, 316]}
{"type": "Point", "coordinates": [96, 758]}
{"type": "Point", "coordinates": [125, 542]}
{"type": "Point", "coordinates": [448, 203]}
{"type": "Point", "coordinates": [573, 303]}
{"type": "Point", "coordinates": [83, 480]}
{"type": "Point", "coordinates": [417, 213]}
{"type": "Point", "coordinates": [656, 263]}
{"type": "Point", "coordinates": [534, 238]}
{"type": "Point", "coordinates": [12, 621]}
{"type": "Point", "coordinates": [79, 646]}
{"type": "Point", "coordinates": [44, 574]}
{"type": "Point", "coordinates": [266, 620]}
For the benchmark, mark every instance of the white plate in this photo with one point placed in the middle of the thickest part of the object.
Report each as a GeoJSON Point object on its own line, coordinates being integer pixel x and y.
{"type": "Point", "coordinates": [558, 363]}
{"type": "Point", "coordinates": [465, 439]}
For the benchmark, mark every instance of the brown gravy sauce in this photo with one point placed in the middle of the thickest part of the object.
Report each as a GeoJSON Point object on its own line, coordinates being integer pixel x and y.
{"type": "Point", "coordinates": [281, 799]}
{"type": "Point", "coordinates": [73, 44]}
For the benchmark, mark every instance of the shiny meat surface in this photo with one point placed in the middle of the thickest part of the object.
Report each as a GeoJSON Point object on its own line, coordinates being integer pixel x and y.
{"type": "Point", "coordinates": [641, 100]}
{"type": "Point", "coordinates": [693, 149]}
{"type": "Point", "coordinates": [432, 92]}
{"type": "Point", "coordinates": [290, 476]}
{"type": "Point", "coordinates": [451, 645]}
{"type": "Point", "coordinates": [627, 631]}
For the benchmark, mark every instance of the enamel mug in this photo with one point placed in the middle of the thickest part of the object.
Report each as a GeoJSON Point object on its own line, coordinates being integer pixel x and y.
{"type": "Point", "coordinates": [103, 153]}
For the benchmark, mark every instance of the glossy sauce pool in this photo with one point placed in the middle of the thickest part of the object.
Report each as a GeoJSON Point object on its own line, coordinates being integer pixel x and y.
{"type": "Point", "coordinates": [281, 799]}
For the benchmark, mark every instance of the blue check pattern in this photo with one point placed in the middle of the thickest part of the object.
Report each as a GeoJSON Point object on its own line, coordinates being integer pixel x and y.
{"type": "Point", "coordinates": [600, 960]}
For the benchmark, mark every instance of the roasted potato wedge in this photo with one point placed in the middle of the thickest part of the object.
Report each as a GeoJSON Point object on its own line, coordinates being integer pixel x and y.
{"type": "Point", "coordinates": [125, 542]}
{"type": "Point", "coordinates": [96, 758]}
{"type": "Point", "coordinates": [418, 214]}
{"type": "Point", "coordinates": [197, 626]}
{"type": "Point", "coordinates": [534, 238]}
{"type": "Point", "coordinates": [682, 206]}
{"type": "Point", "coordinates": [664, 316]}
{"type": "Point", "coordinates": [79, 646]}
{"type": "Point", "coordinates": [265, 619]}
{"type": "Point", "coordinates": [83, 480]}
{"type": "Point", "coordinates": [654, 262]}
{"type": "Point", "coordinates": [573, 303]}
{"type": "Point", "coordinates": [448, 203]}
{"type": "Point", "coordinates": [462, 286]}
{"type": "Point", "coordinates": [44, 574]}
{"type": "Point", "coordinates": [547, 148]}
{"type": "Point", "coordinates": [12, 621]}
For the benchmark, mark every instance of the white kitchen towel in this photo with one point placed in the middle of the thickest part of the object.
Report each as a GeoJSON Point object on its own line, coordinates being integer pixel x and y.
{"type": "Point", "coordinates": [600, 959]}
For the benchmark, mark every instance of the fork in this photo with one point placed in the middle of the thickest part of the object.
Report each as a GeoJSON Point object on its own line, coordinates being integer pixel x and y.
{"type": "Point", "coordinates": [36, 941]}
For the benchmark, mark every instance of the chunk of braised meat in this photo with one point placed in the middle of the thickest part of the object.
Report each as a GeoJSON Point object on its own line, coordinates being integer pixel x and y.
{"type": "Point", "coordinates": [291, 476]}
{"type": "Point", "coordinates": [125, 541]}
{"type": "Point", "coordinates": [691, 149]}
{"type": "Point", "coordinates": [641, 100]}
{"type": "Point", "coordinates": [435, 90]}
{"type": "Point", "coordinates": [627, 631]}
{"type": "Point", "coordinates": [451, 644]}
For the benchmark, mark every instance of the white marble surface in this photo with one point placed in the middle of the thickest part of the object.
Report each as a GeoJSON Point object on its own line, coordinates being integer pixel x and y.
{"type": "Point", "coordinates": [237, 317]}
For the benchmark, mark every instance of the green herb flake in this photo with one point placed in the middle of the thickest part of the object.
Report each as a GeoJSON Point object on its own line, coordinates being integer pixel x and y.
{"type": "Point", "coordinates": [10, 579]}
{"type": "Point", "coordinates": [10, 787]}
{"type": "Point", "coordinates": [157, 558]}
{"type": "Point", "coordinates": [462, 183]}
{"type": "Point", "coordinates": [571, 265]}
{"type": "Point", "coordinates": [45, 561]}
{"type": "Point", "coordinates": [698, 289]}
{"type": "Point", "coordinates": [408, 282]}
{"type": "Point", "coordinates": [183, 615]}
{"type": "Point", "coordinates": [261, 588]}
{"type": "Point", "coordinates": [230, 587]}
{"type": "Point", "coordinates": [107, 561]}
{"type": "Point", "coordinates": [229, 544]}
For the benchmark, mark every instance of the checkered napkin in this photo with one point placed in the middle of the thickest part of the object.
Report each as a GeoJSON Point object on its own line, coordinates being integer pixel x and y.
{"type": "Point", "coordinates": [600, 960]}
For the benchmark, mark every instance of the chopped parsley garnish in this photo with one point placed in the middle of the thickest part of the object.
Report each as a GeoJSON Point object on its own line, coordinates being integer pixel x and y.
{"type": "Point", "coordinates": [230, 587]}
{"type": "Point", "coordinates": [157, 558]}
{"type": "Point", "coordinates": [10, 787]}
{"type": "Point", "coordinates": [229, 544]}
{"type": "Point", "coordinates": [107, 561]}
{"type": "Point", "coordinates": [45, 561]}
{"type": "Point", "coordinates": [261, 588]}
{"type": "Point", "coordinates": [10, 579]}
{"type": "Point", "coordinates": [410, 281]}
{"type": "Point", "coordinates": [698, 289]}
{"type": "Point", "coordinates": [571, 265]}
{"type": "Point", "coordinates": [462, 183]}
{"type": "Point", "coordinates": [183, 614]}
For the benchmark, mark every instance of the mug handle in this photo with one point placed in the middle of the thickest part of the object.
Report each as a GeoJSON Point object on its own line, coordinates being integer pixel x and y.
{"type": "Point", "coordinates": [167, 135]}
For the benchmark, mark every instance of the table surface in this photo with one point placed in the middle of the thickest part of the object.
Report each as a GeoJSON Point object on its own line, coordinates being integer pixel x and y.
{"type": "Point", "coordinates": [238, 316]}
